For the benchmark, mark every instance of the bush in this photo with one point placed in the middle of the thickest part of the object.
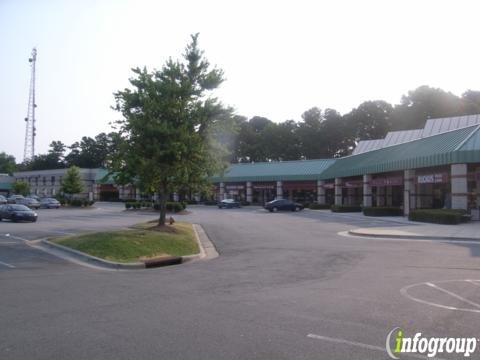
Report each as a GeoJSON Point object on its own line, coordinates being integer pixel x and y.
{"type": "Point", "coordinates": [174, 206]}
{"type": "Point", "coordinates": [245, 203]}
{"type": "Point", "coordinates": [382, 211]}
{"type": "Point", "coordinates": [76, 202]}
{"type": "Point", "coordinates": [210, 202]}
{"type": "Point", "coordinates": [439, 216]}
{"type": "Point", "coordinates": [315, 206]}
{"type": "Point", "coordinates": [192, 202]}
{"type": "Point", "coordinates": [91, 202]}
{"type": "Point", "coordinates": [128, 205]}
{"type": "Point", "coordinates": [184, 204]}
{"type": "Point", "coordinates": [346, 208]}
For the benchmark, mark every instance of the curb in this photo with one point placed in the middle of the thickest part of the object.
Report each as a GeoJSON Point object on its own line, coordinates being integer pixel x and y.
{"type": "Point", "coordinates": [412, 237]}
{"type": "Point", "coordinates": [207, 252]}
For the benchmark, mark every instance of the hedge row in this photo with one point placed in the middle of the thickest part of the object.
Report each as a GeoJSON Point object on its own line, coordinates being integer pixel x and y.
{"type": "Point", "coordinates": [439, 216]}
{"type": "Point", "coordinates": [315, 206]}
{"type": "Point", "coordinates": [346, 208]}
{"type": "Point", "coordinates": [382, 211]}
{"type": "Point", "coordinates": [171, 206]}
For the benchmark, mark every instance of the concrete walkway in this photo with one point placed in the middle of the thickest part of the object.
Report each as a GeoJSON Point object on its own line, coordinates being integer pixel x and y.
{"type": "Point", "coordinates": [416, 230]}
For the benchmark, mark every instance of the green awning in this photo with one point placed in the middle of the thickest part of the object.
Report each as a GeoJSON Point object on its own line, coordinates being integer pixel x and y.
{"type": "Point", "coordinates": [453, 147]}
{"type": "Point", "coordinates": [275, 171]}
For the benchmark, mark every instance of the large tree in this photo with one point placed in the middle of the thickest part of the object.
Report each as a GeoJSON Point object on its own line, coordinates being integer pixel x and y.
{"type": "Point", "coordinates": [169, 127]}
{"type": "Point", "coordinates": [7, 163]}
{"type": "Point", "coordinates": [72, 182]}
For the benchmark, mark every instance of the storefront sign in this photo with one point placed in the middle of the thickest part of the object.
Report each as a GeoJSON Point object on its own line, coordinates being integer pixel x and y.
{"type": "Point", "coordinates": [353, 184]}
{"type": "Point", "coordinates": [263, 186]}
{"type": "Point", "coordinates": [388, 181]}
{"type": "Point", "coordinates": [432, 178]}
{"type": "Point", "coordinates": [299, 185]}
{"type": "Point", "coordinates": [235, 187]}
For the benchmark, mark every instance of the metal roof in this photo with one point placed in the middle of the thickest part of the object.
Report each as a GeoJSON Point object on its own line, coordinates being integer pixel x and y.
{"type": "Point", "coordinates": [457, 146]}
{"type": "Point", "coordinates": [275, 171]}
{"type": "Point", "coordinates": [400, 137]}
{"type": "Point", "coordinates": [440, 125]}
{"type": "Point", "coordinates": [368, 145]}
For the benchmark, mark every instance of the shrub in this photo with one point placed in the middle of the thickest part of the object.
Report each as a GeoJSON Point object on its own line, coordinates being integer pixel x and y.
{"type": "Point", "coordinates": [85, 203]}
{"type": "Point", "coordinates": [439, 216]}
{"type": "Point", "coordinates": [174, 206]}
{"type": "Point", "coordinates": [346, 208]}
{"type": "Point", "coordinates": [184, 204]}
{"type": "Point", "coordinates": [91, 202]}
{"type": "Point", "coordinates": [210, 202]}
{"type": "Point", "coordinates": [382, 211]}
{"type": "Point", "coordinates": [315, 206]}
{"type": "Point", "coordinates": [128, 205]}
{"type": "Point", "coordinates": [192, 202]}
{"type": "Point", "coordinates": [76, 202]}
{"type": "Point", "coordinates": [245, 203]}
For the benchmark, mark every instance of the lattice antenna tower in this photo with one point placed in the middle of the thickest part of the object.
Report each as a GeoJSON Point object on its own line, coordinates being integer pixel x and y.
{"type": "Point", "coordinates": [30, 131]}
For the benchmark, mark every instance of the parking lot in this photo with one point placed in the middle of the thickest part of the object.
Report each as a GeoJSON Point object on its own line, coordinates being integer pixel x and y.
{"type": "Point", "coordinates": [285, 286]}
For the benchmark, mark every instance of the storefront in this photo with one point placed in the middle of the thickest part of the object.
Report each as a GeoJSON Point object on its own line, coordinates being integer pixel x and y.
{"type": "Point", "coordinates": [263, 192]}
{"type": "Point", "coordinates": [300, 191]}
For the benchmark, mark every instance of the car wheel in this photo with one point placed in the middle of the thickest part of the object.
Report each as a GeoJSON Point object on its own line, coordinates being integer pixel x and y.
{"type": "Point", "coordinates": [297, 208]}
{"type": "Point", "coordinates": [275, 209]}
{"type": "Point", "coordinates": [34, 220]}
{"type": "Point", "coordinates": [0, 219]}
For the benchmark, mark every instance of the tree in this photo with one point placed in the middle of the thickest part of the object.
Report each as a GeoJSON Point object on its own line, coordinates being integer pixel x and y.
{"type": "Point", "coordinates": [7, 163]}
{"type": "Point", "coordinates": [21, 187]}
{"type": "Point", "coordinates": [168, 127]}
{"type": "Point", "coordinates": [72, 182]}
{"type": "Point", "coordinates": [370, 120]}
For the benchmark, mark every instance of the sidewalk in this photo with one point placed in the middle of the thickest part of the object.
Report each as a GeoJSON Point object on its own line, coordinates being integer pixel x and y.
{"type": "Point", "coordinates": [416, 230]}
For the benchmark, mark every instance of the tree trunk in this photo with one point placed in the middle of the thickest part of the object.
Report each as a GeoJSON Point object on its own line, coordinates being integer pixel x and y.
{"type": "Point", "coordinates": [163, 207]}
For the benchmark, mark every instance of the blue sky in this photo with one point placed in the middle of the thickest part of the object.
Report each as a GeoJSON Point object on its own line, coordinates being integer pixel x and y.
{"type": "Point", "coordinates": [280, 58]}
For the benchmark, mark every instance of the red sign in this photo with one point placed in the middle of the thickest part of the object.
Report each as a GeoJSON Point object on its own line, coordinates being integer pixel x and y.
{"type": "Point", "coordinates": [329, 186]}
{"type": "Point", "coordinates": [299, 185]}
{"type": "Point", "coordinates": [432, 178]}
{"type": "Point", "coordinates": [388, 181]}
{"type": "Point", "coordinates": [234, 187]}
{"type": "Point", "coordinates": [353, 184]}
{"type": "Point", "coordinates": [264, 186]}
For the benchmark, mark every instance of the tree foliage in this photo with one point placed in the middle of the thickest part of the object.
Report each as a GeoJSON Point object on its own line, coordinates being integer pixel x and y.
{"type": "Point", "coordinates": [7, 163]}
{"type": "Point", "coordinates": [72, 182]}
{"type": "Point", "coordinates": [21, 187]}
{"type": "Point", "coordinates": [171, 127]}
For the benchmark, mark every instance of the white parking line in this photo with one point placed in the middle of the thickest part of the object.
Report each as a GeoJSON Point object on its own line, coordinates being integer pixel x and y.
{"type": "Point", "coordinates": [361, 345]}
{"type": "Point", "coordinates": [7, 265]}
{"type": "Point", "coordinates": [474, 282]}
{"type": "Point", "coordinates": [453, 295]}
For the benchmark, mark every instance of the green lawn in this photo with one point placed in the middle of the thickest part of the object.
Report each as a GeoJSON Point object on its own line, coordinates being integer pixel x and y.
{"type": "Point", "coordinates": [140, 243]}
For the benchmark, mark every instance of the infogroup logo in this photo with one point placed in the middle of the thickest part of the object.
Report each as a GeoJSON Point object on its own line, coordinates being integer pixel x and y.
{"type": "Point", "coordinates": [397, 343]}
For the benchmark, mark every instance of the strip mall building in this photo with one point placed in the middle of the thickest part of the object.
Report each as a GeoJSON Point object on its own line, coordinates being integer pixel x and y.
{"type": "Point", "coordinates": [434, 167]}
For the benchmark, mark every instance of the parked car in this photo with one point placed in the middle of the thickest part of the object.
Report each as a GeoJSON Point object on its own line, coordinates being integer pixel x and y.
{"type": "Point", "coordinates": [13, 198]}
{"type": "Point", "coordinates": [228, 204]}
{"type": "Point", "coordinates": [49, 203]}
{"type": "Point", "coordinates": [31, 203]}
{"type": "Point", "coordinates": [283, 204]}
{"type": "Point", "coordinates": [3, 200]}
{"type": "Point", "coordinates": [36, 197]}
{"type": "Point", "coordinates": [16, 213]}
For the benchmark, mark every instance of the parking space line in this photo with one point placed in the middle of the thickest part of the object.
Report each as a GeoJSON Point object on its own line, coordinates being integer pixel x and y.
{"type": "Point", "coordinates": [474, 282]}
{"type": "Point", "coordinates": [453, 295]}
{"type": "Point", "coordinates": [360, 345]}
{"type": "Point", "coordinates": [7, 265]}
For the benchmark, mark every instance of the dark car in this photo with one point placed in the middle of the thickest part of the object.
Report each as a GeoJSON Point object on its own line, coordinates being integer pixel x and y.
{"type": "Point", "coordinates": [3, 200]}
{"type": "Point", "coordinates": [283, 204]}
{"type": "Point", "coordinates": [49, 203]}
{"type": "Point", "coordinates": [17, 213]}
{"type": "Point", "coordinates": [228, 204]}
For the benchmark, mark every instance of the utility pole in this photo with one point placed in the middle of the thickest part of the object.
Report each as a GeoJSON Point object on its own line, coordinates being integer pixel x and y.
{"type": "Point", "coordinates": [30, 131]}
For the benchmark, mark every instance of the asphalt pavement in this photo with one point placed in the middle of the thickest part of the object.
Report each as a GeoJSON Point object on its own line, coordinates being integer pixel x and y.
{"type": "Point", "coordinates": [285, 286]}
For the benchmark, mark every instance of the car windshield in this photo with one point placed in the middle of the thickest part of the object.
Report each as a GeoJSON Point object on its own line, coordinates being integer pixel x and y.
{"type": "Point", "coordinates": [19, 208]}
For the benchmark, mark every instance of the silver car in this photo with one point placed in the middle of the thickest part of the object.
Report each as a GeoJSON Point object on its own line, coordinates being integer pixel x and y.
{"type": "Point", "coordinates": [3, 200]}
{"type": "Point", "coordinates": [49, 203]}
{"type": "Point", "coordinates": [31, 203]}
{"type": "Point", "coordinates": [13, 199]}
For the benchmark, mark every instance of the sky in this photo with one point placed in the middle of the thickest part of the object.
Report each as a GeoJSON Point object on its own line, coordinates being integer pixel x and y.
{"type": "Point", "coordinates": [280, 58]}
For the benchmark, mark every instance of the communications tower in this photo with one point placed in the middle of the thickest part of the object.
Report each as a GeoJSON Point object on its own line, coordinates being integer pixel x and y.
{"type": "Point", "coordinates": [30, 131]}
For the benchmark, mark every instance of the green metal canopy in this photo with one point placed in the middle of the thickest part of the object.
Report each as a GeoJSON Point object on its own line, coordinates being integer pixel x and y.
{"type": "Point", "coordinates": [453, 147]}
{"type": "Point", "coordinates": [275, 171]}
